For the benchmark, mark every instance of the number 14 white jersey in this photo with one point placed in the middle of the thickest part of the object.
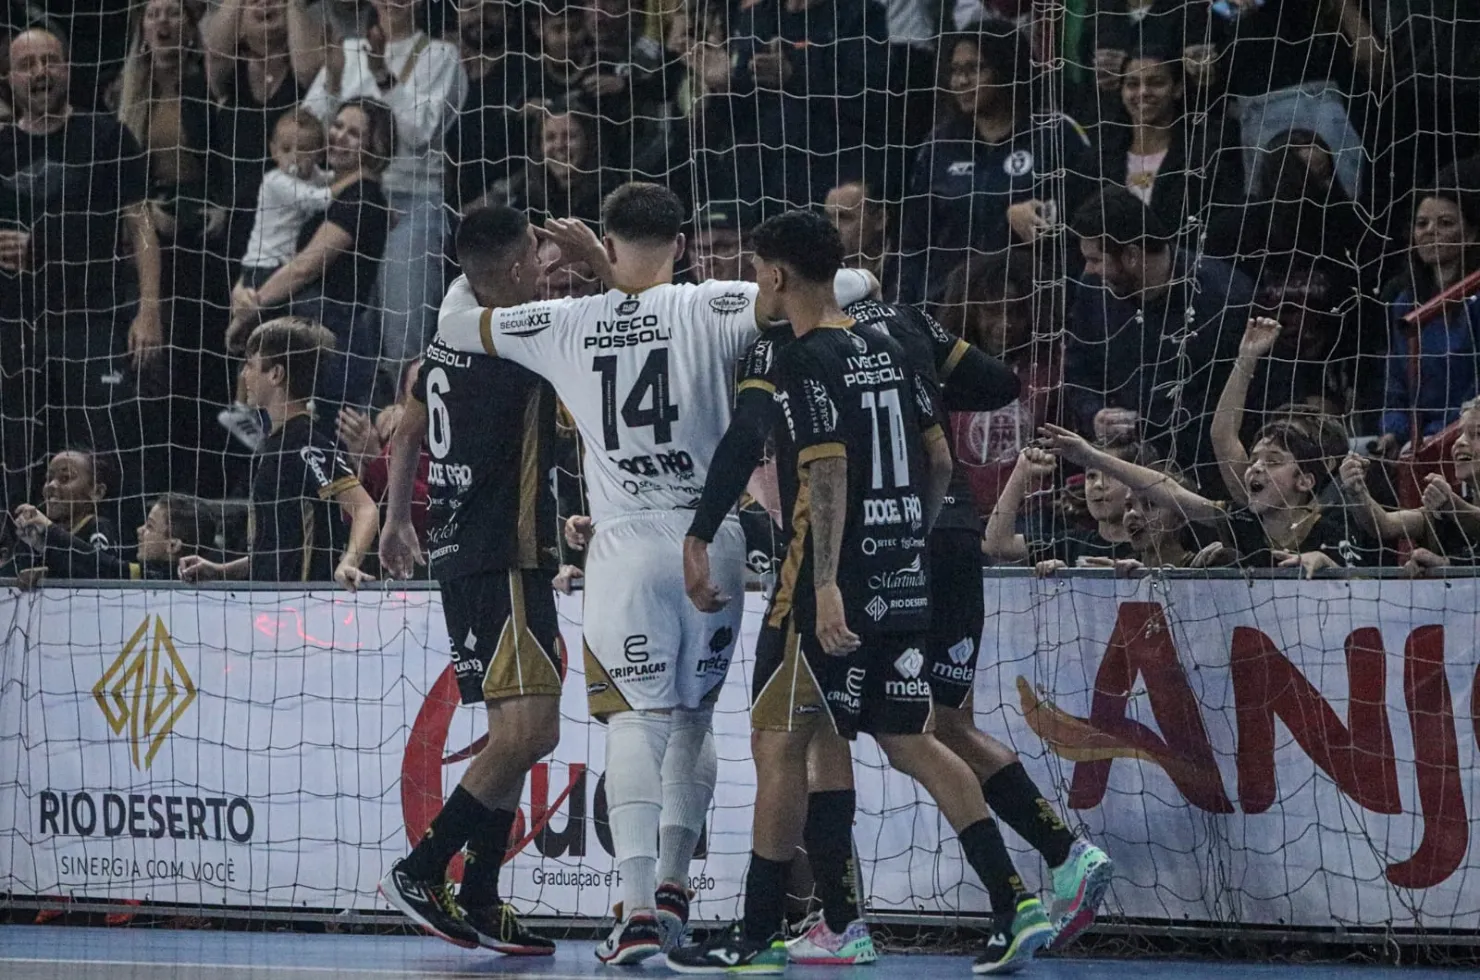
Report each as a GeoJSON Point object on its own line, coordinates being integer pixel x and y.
{"type": "Point", "coordinates": [648, 377]}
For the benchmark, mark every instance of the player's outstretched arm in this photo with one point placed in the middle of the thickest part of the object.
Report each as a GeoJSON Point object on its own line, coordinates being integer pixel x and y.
{"type": "Point", "coordinates": [977, 382]}
{"type": "Point", "coordinates": [400, 551]}
{"type": "Point", "coordinates": [735, 458]}
{"type": "Point", "coordinates": [1160, 487]}
{"type": "Point", "coordinates": [828, 478]}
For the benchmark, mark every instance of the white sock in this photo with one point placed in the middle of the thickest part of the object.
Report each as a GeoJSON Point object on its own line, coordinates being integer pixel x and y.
{"type": "Point", "coordinates": [689, 773]}
{"type": "Point", "coordinates": [635, 745]}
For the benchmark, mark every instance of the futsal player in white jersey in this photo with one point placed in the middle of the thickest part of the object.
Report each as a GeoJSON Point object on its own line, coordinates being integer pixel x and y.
{"type": "Point", "coordinates": [646, 370]}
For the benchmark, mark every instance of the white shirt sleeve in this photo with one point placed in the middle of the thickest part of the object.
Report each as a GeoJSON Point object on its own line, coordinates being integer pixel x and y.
{"type": "Point", "coordinates": [730, 307]}
{"type": "Point", "coordinates": [356, 81]}
{"type": "Point", "coordinates": [529, 335]}
{"type": "Point", "coordinates": [427, 101]}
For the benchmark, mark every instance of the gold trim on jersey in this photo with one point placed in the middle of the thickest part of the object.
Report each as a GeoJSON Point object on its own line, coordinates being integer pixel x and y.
{"type": "Point", "coordinates": [755, 384]}
{"type": "Point", "coordinates": [337, 487]}
{"type": "Point", "coordinates": [790, 699]}
{"type": "Point", "coordinates": [520, 664]}
{"type": "Point", "coordinates": [823, 450]}
{"type": "Point", "coordinates": [954, 358]}
{"type": "Point", "coordinates": [786, 581]}
{"type": "Point", "coordinates": [603, 697]}
{"type": "Point", "coordinates": [485, 332]}
{"type": "Point", "coordinates": [529, 480]}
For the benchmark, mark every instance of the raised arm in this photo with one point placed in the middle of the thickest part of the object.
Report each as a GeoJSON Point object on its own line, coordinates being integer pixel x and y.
{"type": "Point", "coordinates": [219, 37]}
{"type": "Point", "coordinates": [1259, 337]}
{"type": "Point", "coordinates": [1159, 487]}
{"type": "Point", "coordinates": [1001, 542]}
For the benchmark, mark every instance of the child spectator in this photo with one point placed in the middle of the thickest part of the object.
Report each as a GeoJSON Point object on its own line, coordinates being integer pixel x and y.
{"type": "Point", "coordinates": [1284, 521]}
{"type": "Point", "coordinates": [1426, 387]}
{"type": "Point", "coordinates": [176, 526]}
{"type": "Point", "coordinates": [1447, 526]}
{"type": "Point", "coordinates": [1050, 548]}
{"type": "Point", "coordinates": [78, 480]}
{"type": "Point", "coordinates": [296, 533]}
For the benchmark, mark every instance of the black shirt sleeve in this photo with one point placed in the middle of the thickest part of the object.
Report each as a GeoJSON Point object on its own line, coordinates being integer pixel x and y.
{"type": "Point", "coordinates": [67, 556]}
{"type": "Point", "coordinates": [977, 382]}
{"type": "Point", "coordinates": [735, 459]}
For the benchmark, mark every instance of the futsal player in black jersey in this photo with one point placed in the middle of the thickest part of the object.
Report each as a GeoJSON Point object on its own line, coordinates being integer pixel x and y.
{"type": "Point", "coordinates": [863, 468]}
{"type": "Point", "coordinates": [489, 426]}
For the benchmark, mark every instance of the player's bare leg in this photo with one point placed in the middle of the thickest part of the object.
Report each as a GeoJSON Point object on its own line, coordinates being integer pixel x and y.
{"type": "Point", "coordinates": [636, 744]}
{"type": "Point", "coordinates": [1022, 925]}
{"type": "Point", "coordinates": [839, 935]}
{"type": "Point", "coordinates": [479, 815]}
{"type": "Point", "coordinates": [1080, 871]}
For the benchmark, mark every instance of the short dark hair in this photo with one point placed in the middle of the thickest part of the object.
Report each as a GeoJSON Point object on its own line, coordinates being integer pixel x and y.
{"type": "Point", "coordinates": [190, 520]}
{"type": "Point", "coordinates": [1001, 46]}
{"type": "Point", "coordinates": [642, 212]}
{"type": "Point", "coordinates": [1119, 219]}
{"type": "Point", "coordinates": [804, 240]}
{"type": "Point", "coordinates": [1304, 442]}
{"type": "Point", "coordinates": [487, 233]}
{"type": "Point", "coordinates": [296, 344]}
{"type": "Point", "coordinates": [101, 463]}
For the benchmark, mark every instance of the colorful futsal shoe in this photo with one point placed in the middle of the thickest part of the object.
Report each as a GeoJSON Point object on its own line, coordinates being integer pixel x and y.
{"type": "Point", "coordinates": [429, 904]}
{"type": "Point", "coordinates": [1079, 886]}
{"type": "Point", "coordinates": [731, 953]}
{"type": "Point", "coordinates": [672, 900]}
{"type": "Point", "coordinates": [1015, 939]}
{"type": "Point", "coordinates": [499, 929]}
{"type": "Point", "coordinates": [632, 940]}
{"type": "Point", "coordinates": [818, 945]}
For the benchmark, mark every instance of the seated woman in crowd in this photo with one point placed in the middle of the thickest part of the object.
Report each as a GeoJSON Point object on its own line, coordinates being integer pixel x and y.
{"type": "Point", "coordinates": [997, 306]}
{"type": "Point", "coordinates": [331, 278]}
{"type": "Point", "coordinates": [1446, 529]}
{"type": "Point", "coordinates": [1431, 375]}
{"type": "Point", "coordinates": [176, 526]}
{"type": "Point", "coordinates": [567, 179]}
{"type": "Point", "coordinates": [1175, 168]}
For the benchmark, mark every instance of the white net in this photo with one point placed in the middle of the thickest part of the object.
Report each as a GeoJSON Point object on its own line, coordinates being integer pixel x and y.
{"type": "Point", "coordinates": [1100, 192]}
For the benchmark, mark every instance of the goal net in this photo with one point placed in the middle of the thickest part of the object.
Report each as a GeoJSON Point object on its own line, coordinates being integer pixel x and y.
{"type": "Point", "coordinates": [1100, 192]}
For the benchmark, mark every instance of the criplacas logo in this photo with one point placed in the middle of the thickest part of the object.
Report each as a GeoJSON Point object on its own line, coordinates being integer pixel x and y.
{"type": "Point", "coordinates": [145, 690]}
{"type": "Point", "coordinates": [1355, 754]}
{"type": "Point", "coordinates": [584, 803]}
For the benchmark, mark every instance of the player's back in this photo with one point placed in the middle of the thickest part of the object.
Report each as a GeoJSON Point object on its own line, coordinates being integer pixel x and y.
{"type": "Point", "coordinates": [648, 378]}
{"type": "Point", "coordinates": [490, 506]}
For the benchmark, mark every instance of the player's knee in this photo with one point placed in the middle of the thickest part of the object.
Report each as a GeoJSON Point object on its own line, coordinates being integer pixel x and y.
{"type": "Point", "coordinates": [907, 754]}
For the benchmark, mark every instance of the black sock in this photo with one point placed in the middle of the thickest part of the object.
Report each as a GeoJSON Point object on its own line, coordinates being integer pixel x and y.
{"type": "Point", "coordinates": [459, 820]}
{"type": "Point", "coordinates": [1017, 802]}
{"type": "Point", "coordinates": [988, 857]}
{"type": "Point", "coordinates": [828, 837]}
{"type": "Point", "coordinates": [765, 898]}
{"type": "Point", "coordinates": [482, 860]}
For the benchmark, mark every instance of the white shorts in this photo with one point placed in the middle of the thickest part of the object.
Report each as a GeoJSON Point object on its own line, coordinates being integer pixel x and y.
{"type": "Point", "coordinates": [647, 647]}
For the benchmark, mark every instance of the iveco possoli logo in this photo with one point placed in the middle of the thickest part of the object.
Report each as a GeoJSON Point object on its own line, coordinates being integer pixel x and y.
{"type": "Point", "coordinates": [145, 690]}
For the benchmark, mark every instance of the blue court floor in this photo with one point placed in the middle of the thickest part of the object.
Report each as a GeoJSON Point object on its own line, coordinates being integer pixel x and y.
{"type": "Point", "coordinates": [47, 952]}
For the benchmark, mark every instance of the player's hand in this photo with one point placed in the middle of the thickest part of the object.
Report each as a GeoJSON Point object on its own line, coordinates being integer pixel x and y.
{"type": "Point", "coordinates": [832, 625]}
{"type": "Point", "coordinates": [565, 579]}
{"type": "Point", "coordinates": [697, 583]}
{"type": "Point", "coordinates": [1353, 473]}
{"type": "Point", "coordinates": [579, 529]}
{"type": "Point", "coordinates": [400, 550]}
{"type": "Point", "coordinates": [1420, 560]}
{"type": "Point", "coordinates": [31, 525]}
{"type": "Point", "coordinates": [1439, 497]}
{"type": "Point", "coordinates": [1067, 444]}
{"type": "Point", "coordinates": [577, 243]}
{"type": "Point", "coordinates": [349, 575]}
{"type": "Point", "coordinates": [1309, 562]}
{"type": "Point", "coordinates": [194, 568]}
{"type": "Point", "coordinates": [1260, 334]}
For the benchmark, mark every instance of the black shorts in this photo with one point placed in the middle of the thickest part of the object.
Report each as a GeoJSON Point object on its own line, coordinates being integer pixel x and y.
{"type": "Point", "coordinates": [958, 613]}
{"type": "Point", "coordinates": [505, 635]}
{"type": "Point", "coordinates": [879, 689]}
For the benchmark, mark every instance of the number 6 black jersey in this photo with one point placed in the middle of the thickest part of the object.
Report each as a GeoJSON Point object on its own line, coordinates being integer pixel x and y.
{"type": "Point", "coordinates": [855, 393]}
{"type": "Point", "coordinates": [490, 434]}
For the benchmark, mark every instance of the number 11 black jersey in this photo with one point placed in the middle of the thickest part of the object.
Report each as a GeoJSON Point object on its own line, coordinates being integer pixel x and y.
{"type": "Point", "coordinates": [490, 434]}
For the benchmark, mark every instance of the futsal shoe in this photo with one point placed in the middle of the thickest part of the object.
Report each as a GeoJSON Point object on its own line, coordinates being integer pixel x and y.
{"type": "Point", "coordinates": [1079, 886]}
{"type": "Point", "coordinates": [429, 904]}
{"type": "Point", "coordinates": [731, 953]}
{"type": "Point", "coordinates": [818, 945]}
{"type": "Point", "coordinates": [500, 930]}
{"type": "Point", "coordinates": [673, 913]}
{"type": "Point", "coordinates": [632, 940]}
{"type": "Point", "coordinates": [1015, 939]}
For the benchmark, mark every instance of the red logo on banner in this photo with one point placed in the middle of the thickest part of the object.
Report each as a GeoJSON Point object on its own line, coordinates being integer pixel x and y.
{"type": "Point", "coordinates": [1357, 756]}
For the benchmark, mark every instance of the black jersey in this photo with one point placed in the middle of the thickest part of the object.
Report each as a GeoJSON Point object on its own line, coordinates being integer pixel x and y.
{"type": "Point", "coordinates": [295, 527]}
{"type": "Point", "coordinates": [856, 393]}
{"type": "Point", "coordinates": [926, 341]}
{"type": "Point", "coordinates": [491, 435]}
{"type": "Point", "coordinates": [1328, 530]}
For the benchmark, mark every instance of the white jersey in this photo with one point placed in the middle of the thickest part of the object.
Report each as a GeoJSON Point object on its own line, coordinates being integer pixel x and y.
{"type": "Point", "coordinates": [649, 378]}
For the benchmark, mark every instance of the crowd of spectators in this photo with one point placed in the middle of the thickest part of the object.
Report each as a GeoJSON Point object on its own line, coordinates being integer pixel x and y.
{"type": "Point", "coordinates": [1225, 244]}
